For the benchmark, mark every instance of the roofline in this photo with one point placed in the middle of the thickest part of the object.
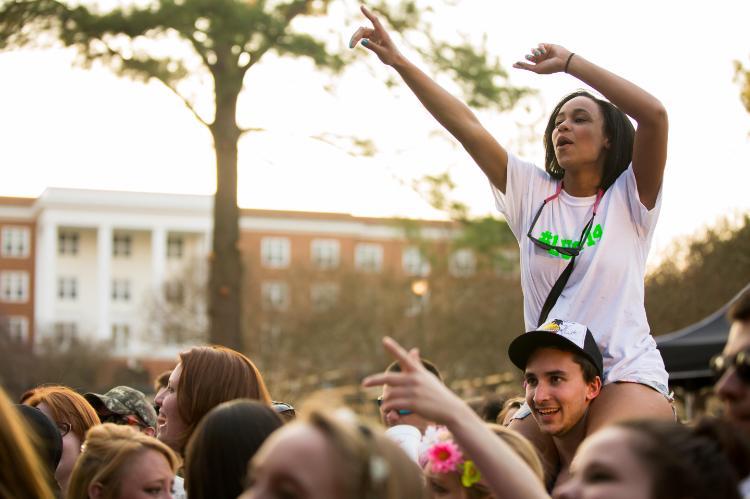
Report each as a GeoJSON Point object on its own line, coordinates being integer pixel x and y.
{"type": "Point", "coordinates": [63, 196]}
{"type": "Point", "coordinates": [697, 325]}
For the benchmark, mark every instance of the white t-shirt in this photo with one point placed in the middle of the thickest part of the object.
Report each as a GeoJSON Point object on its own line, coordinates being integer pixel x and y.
{"type": "Point", "coordinates": [606, 289]}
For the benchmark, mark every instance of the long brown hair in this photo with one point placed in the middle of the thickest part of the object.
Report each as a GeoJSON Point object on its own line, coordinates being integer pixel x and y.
{"type": "Point", "coordinates": [212, 375]}
{"type": "Point", "coordinates": [66, 406]}
{"type": "Point", "coordinates": [22, 473]}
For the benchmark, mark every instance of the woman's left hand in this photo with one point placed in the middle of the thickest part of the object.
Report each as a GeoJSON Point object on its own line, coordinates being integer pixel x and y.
{"type": "Point", "coordinates": [545, 59]}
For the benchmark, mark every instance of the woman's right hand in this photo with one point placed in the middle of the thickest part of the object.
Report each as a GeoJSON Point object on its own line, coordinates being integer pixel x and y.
{"type": "Point", "coordinates": [376, 39]}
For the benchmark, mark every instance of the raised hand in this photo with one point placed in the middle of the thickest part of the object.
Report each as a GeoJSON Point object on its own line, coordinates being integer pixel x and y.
{"type": "Point", "coordinates": [545, 59]}
{"type": "Point", "coordinates": [415, 388]}
{"type": "Point", "coordinates": [375, 39]}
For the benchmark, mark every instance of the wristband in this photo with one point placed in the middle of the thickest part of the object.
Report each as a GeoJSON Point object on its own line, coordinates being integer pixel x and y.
{"type": "Point", "coordinates": [567, 63]}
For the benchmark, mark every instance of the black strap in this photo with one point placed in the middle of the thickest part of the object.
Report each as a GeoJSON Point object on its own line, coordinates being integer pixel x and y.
{"type": "Point", "coordinates": [555, 292]}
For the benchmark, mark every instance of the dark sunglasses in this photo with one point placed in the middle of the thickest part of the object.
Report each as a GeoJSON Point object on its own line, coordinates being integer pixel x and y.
{"type": "Point", "coordinates": [576, 246]}
{"type": "Point", "coordinates": [401, 412]}
{"type": "Point", "coordinates": [740, 361]}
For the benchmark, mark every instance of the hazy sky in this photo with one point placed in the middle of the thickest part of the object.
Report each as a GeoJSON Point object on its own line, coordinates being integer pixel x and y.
{"type": "Point", "coordinates": [68, 127]}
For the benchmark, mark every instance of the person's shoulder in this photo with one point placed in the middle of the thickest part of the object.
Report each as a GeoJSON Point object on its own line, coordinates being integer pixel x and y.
{"type": "Point", "coordinates": [520, 167]}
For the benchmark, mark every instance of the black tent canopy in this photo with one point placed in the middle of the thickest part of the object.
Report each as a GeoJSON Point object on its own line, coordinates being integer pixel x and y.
{"type": "Point", "coordinates": [687, 352]}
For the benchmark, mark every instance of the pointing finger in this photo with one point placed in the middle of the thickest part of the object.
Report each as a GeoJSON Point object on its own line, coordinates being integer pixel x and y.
{"type": "Point", "coordinates": [405, 360]}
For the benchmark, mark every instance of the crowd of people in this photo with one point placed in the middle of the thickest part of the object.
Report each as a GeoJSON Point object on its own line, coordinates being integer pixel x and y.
{"type": "Point", "coordinates": [212, 431]}
{"type": "Point", "coordinates": [596, 418]}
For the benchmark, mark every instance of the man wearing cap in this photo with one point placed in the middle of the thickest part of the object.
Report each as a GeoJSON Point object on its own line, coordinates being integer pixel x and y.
{"type": "Point", "coordinates": [126, 406]}
{"type": "Point", "coordinates": [562, 374]}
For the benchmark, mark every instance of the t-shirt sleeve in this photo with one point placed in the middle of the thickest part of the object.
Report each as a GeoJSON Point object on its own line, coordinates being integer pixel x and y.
{"type": "Point", "coordinates": [643, 218]}
{"type": "Point", "coordinates": [521, 178]}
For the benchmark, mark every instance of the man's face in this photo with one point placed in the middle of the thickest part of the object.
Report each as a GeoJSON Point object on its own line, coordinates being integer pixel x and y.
{"type": "Point", "coordinates": [735, 393]}
{"type": "Point", "coordinates": [556, 391]}
{"type": "Point", "coordinates": [393, 418]}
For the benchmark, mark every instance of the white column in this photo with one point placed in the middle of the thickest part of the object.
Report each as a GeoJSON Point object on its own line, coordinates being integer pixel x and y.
{"type": "Point", "coordinates": [45, 279]}
{"type": "Point", "coordinates": [158, 270]}
{"type": "Point", "coordinates": [158, 257]}
{"type": "Point", "coordinates": [103, 280]}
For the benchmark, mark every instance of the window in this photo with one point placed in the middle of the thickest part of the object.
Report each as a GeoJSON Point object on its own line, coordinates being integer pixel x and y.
{"type": "Point", "coordinates": [368, 257]}
{"type": "Point", "coordinates": [414, 263]}
{"type": "Point", "coordinates": [121, 244]}
{"type": "Point", "coordinates": [120, 336]}
{"type": "Point", "coordinates": [65, 333]}
{"type": "Point", "coordinates": [120, 290]}
{"type": "Point", "coordinates": [14, 287]}
{"type": "Point", "coordinates": [67, 288]}
{"type": "Point", "coordinates": [324, 253]}
{"type": "Point", "coordinates": [174, 292]}
{"type": "Point", "coordinates": [18, 329]}
{"type": "Point", "coordinates": [67, 243]}
{"type": "Point", "coordinates": [275, 295]}
{"type": "Point", "coordinates": [175, 246]}
{"type": "Point", "coordinates": [275, 252]}
{"type": "Point", "coordinates": [15, 242]}
{"type": "Point", "coordinates": [324, 295]}
{"type": "Point", "coordinates": [462, 263]}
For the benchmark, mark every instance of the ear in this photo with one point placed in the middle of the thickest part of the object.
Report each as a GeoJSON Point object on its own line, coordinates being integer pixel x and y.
{"type": "Point", "coordinates": [96, 490]}
{"type": "Point", "coordinates": [148, 431]}
{"type": "Point", "coordinates": [593, 389]}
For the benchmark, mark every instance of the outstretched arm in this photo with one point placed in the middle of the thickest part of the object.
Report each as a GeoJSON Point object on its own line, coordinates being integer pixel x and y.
{"type": "Point", "coordinates": [414, 388]}
{"type": "Point", "coordinates": [450, 112]}
{"type": "Point", "coordinates": [650, 146]}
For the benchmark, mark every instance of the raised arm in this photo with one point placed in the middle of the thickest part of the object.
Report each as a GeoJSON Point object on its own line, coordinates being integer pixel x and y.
{"type": "Point", "coordinates": [414, 388]}
{"type": "Point", "coordinates": [650, 146]}
{"type": "Point", "coordinates": [450, 112]}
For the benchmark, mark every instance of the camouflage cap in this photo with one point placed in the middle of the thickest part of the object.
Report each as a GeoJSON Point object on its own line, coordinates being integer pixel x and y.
{"type": "Point", "coordinates": [125, 401]}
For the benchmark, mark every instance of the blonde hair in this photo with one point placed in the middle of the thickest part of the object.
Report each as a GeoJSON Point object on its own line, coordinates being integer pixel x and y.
{"type": "Point", "coordinates": [22, 473]}
{"type": "Point", "coordinates": [369, 464]}
{"type": "Point", "coordinates": [521, 446]}
{"type": "Point", "coordinates": [107, 450]}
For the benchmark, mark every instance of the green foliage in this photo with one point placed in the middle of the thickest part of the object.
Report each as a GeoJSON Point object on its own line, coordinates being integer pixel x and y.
{"type": "Point", "coordinates": [488, 237]}
{"type": "Point", "coordinates": [742, 76]}
{"type": "Point", "coordinates": [229, 36]}
{"type": "Point", "coordinates": [704, 272]}
{"type": "Point", "coordinates": [480, 76]}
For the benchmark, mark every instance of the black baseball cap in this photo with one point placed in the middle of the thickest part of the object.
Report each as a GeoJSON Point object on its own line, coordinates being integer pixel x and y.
{"type": "Point", "coordinates": [557, 333]}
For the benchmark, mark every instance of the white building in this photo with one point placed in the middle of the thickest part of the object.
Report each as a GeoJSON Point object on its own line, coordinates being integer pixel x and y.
{"type": "Point", "coordinates": [86, 263]}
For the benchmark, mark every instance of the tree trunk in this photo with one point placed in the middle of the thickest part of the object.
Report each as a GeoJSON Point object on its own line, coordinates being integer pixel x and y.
{"type": "Point", "coordinates": [225, 276]}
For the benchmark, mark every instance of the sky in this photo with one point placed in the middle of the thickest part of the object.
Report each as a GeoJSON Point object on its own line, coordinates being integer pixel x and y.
{"type": "Point", "coordinates": [62, 126]}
